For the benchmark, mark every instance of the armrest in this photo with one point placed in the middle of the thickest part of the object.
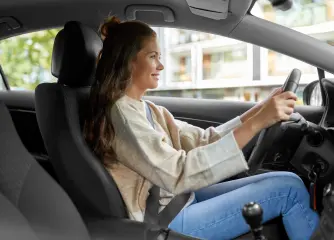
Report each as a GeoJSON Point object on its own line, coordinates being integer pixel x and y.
{"type": "Point", "coordinates": [125, 229]}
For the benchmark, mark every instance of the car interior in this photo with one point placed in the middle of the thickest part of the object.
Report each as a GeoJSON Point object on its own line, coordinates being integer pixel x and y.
{"type": "Point", "coordinates": [54, 187]}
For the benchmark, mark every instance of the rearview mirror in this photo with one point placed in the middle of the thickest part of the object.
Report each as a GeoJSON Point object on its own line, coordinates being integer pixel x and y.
{"type": "Point", "coordinates": [312, 94]}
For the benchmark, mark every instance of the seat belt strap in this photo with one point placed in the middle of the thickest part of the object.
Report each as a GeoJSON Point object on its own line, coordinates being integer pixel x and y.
{"type": "Point", "coordinates": [152, 202]}
{"type": "Point", "coordinates": [152, 214]}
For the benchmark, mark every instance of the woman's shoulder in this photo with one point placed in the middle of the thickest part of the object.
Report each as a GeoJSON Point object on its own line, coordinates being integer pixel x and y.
{"type": "Point", "coordinates": [126, 103]}
{"type": "Point", "coordinates": [130, 109]}
{"type": "Point", "coordinates": [126, 108]}
{"type": "Point", "coordinates": [130, 105]}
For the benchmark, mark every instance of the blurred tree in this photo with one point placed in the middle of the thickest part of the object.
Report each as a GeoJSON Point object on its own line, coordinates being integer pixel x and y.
{"type": "Point", "coordinates": [26, 59]}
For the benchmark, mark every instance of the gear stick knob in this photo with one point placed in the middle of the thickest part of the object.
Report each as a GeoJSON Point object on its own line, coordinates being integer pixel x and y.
{"type": "Point", "coordinates": [252, 213]}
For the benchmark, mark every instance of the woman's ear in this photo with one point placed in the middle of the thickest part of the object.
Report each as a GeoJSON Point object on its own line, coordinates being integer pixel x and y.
{"type": "Point", "coordinates": [133, 65]}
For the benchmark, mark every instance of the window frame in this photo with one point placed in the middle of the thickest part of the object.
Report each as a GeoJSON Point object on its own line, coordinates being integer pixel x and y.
{"type": "Point", "coordinates": [4, 80]}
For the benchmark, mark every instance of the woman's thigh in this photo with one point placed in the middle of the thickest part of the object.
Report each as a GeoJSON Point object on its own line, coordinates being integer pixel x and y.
{"type": "Point", "coordinates": [224, 187]}
{"type": "Point", "coordinates": [221, 217]}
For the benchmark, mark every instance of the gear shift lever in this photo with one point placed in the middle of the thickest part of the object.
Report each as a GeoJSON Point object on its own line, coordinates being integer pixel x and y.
{"type": "Point", "coordinates": [252, 213]}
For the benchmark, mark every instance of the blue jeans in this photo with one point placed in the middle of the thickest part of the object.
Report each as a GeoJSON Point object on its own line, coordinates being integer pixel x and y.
{"type": "Point", "coordinates": [216, 211]}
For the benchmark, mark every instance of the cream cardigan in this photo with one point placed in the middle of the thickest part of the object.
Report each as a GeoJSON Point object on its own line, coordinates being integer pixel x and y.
{"type": "Point", "coordinates": [175, 156]}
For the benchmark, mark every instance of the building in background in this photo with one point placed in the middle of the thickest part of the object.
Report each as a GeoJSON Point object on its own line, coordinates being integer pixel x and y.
{"type": "Point", "coordinates": [203, 65]}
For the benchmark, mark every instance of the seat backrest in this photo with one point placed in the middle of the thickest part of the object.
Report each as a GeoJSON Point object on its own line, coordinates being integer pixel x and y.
{"type": "Point", "coordinates": [61, 109]}
{"type": "Point", "coordinates": [13, 224]}
{"type": "Point", "coordinates": [44, 205]}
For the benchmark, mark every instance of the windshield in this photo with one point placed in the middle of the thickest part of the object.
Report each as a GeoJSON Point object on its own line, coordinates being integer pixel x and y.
{"type": "Point", "coordinates": [311, 17]}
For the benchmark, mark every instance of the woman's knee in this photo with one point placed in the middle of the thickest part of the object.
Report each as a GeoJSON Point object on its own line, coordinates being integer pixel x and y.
{"type": "Point", "coordinates": [284, 174]}
{"type": "Point", "coordinates": [292, 185]}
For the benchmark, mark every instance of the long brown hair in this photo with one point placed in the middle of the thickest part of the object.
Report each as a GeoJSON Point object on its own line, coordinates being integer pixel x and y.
{"type": "Point", "coordinates": [121, 43]}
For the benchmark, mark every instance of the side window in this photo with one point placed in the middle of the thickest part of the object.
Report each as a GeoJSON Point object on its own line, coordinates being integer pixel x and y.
{"type": "Point", "coordinates": [203, 65]}
{"type": "Point", "coordinates": [26, 59]}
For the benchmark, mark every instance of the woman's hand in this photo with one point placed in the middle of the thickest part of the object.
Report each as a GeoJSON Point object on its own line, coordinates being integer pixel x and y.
{"type": "Point", "coordinates": [254, 110]}
{"type": "Point", "coordinates": [277, 107]}
{"type": "Point", "coordinates": [275, 92]}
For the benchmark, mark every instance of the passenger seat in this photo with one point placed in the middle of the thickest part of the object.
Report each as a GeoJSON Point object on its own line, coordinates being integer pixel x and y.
{"type": "Point", "coordinates": [13, 224]}
{"type": "Point", "coordinates": [33, 204]}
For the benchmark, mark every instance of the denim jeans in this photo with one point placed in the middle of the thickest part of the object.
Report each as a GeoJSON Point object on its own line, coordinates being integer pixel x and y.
{"type": "Point", "coordinates": [216, 212]}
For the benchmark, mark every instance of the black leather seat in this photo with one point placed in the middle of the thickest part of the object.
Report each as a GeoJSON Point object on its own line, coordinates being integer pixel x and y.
{"type": "Point", "coordinates": [13, 224]}
{"type": "Point", "coordinates": [32, 204]}
{"type": "Point", "coordinates": [60, 109]}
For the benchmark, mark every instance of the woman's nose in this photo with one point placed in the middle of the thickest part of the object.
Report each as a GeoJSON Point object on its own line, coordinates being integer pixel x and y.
{"type": "Point", "coordinates": [160, 66]}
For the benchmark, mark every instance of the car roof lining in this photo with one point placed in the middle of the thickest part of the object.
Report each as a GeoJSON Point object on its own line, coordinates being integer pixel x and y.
{"type": "Point", "coordinates": [50, 14]}
{"type": "Point", "coordinates": [239, 24]}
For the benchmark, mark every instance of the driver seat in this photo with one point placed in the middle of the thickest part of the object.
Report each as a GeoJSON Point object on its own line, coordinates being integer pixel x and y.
{"type": "Point", "coordinates": [61, 109]}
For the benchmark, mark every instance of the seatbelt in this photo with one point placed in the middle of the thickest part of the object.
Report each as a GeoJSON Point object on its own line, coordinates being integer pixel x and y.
{"type": "Point", "coordinates": [152, 202]}
{"type": "Point", "coordinates": [149, 114]}
{"type": "Point", "coordinates": [170, 211]}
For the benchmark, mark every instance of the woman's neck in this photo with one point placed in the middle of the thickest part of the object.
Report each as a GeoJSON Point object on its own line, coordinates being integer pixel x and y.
{"type": "Point", "coordinates": [135, 93]}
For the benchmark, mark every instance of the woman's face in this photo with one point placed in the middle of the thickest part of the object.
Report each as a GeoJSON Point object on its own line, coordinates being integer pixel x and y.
{"type": "Point", "coordinates": [147, 66]}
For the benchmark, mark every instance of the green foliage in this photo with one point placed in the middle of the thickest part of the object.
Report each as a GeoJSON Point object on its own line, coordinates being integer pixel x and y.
{"type": "Point", "coordinates": [26, 59]}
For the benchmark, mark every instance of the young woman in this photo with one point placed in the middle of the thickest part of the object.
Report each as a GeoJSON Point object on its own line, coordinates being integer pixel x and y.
{"type": "Point", "coordinates": [179, 157]}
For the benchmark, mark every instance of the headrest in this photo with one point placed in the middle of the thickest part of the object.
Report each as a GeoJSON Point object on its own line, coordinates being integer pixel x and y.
{"type": "Point", "coordinates": [74, 55]}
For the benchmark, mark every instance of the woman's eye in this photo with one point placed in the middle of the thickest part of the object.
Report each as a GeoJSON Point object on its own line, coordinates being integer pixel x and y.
{"type": "Point", "coordinates": [153, 56]}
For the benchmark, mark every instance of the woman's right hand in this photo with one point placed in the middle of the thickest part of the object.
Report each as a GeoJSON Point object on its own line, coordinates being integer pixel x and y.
{"type": "Point", "coordinates": [278, 107]}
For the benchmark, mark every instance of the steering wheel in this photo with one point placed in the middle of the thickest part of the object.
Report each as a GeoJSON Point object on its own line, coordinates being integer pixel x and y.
{"type": "Point", "coordinates": [268, 135]}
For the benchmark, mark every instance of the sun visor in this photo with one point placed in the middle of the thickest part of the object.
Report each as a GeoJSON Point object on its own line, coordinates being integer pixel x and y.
{"type": "Point", "coordinates": [214, 9]}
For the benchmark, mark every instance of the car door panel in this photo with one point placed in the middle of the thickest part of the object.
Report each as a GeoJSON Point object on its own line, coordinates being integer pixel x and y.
{"type": "Point", "coordinates": [199, 112]}
{"type": "Point", "coordinates": [205, 112]}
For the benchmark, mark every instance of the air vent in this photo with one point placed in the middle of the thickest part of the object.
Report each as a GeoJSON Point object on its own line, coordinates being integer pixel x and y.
{"type": "Point", "coordinates": [214, 9]}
